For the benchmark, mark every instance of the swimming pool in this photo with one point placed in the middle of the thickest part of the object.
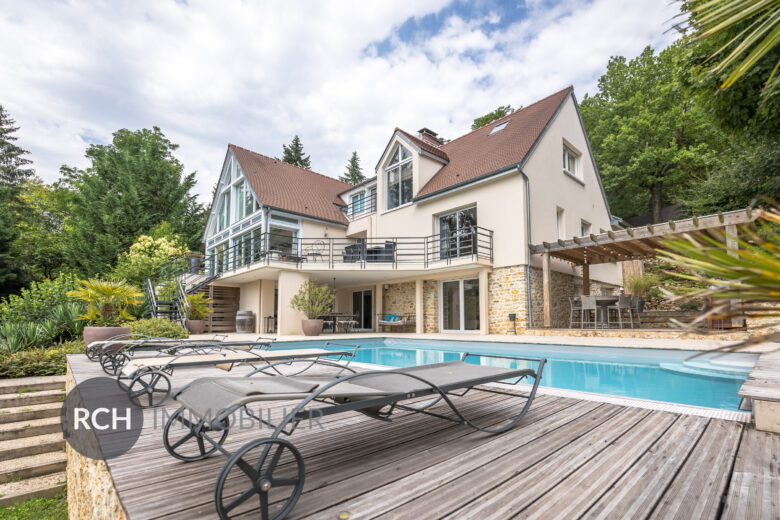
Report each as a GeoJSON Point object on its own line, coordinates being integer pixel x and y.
{"type": "Point", "coordinates": [662, 375]}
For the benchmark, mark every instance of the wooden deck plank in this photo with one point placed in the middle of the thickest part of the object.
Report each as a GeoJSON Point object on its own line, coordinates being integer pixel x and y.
{"type": "Point", "coordinates": [526, 466]}
{"type": "Point", "coordinates": [570, 483]}
{"type": "Point", "coordinates": [481, 450]}
{"type": "Point", "coordinates": [641, 487]}
{"type": "Point", "coordinates": [698, 487]}
{"type": "Point", "coordinates": [754, 491]}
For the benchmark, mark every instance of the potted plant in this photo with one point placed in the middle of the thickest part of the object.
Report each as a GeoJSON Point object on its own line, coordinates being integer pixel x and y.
{"type": "Point", "coordinates": [199, 309]}
{"type": "Point", "coordinates": [107, 307]}
{"type": "Point", "coordinates": [638, 285]}
{"type": "Point", "coordinates": [313, 300]}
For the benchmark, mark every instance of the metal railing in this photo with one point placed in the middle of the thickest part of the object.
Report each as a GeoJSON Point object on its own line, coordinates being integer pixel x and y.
{"type": "Point", "coordinates": [433, 250]}
{"type": "Point", "coordinates": [361, 208]}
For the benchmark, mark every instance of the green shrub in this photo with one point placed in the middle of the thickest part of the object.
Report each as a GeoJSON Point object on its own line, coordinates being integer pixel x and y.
{"type": "Point", "coordinates": [35, 302]}
{"type": "Point", "coordinates": [158, 327]}
{"type": "Point", "coordinates": [61, 324]}
{"type": "Point", "coordinates": [40, 361]}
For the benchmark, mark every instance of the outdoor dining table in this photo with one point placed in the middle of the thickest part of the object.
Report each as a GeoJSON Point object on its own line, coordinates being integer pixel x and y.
{"type": "Point", "coordinates": [602, 302]}
{"type": "Point", "coordinates": [333, 317]}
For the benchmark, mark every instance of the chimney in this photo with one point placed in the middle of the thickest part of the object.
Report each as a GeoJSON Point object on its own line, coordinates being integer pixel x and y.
{"type": "Point", "coordinates": [429, 136]}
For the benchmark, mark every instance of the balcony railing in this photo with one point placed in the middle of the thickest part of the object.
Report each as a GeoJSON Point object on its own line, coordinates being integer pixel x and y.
{"type": "Point", "coordinates": [429, 251]}
{"type": "Point", "coordinates": [361, 208]}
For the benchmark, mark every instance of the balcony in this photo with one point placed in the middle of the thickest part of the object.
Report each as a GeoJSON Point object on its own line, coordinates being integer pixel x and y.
{"type": "Point", "coordinates": [475, 243]}
{"type": "Point", "coordinates": [361, 208]}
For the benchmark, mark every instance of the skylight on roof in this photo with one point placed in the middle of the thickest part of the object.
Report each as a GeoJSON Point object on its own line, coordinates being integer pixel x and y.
{"type": "Point", "coordinates": [498, 127]}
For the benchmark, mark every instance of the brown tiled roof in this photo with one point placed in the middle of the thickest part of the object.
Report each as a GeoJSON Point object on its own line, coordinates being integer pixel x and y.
{"type": "Point", "coordinates": [290, 188]}
{"type": "Point", "coordinates": [433, 150]}
{"type": "Point", "coordinates": [475, 154]}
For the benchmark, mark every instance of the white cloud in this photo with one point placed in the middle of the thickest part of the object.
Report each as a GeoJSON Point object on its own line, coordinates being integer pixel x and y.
{"type": "Point", "coordinates": [209, 73]}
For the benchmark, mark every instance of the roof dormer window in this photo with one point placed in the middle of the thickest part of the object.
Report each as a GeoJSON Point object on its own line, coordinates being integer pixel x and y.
{"type": "Point", "coordinates": [498, 127]}
{"type": "Point", "coordinates": [398, 177]}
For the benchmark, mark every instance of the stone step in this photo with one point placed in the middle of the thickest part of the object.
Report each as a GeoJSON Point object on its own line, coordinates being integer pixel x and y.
{"type": "Point", "coordinates": [32, 466]}
{"type": "Point", "coordinates": [26, 446]}
{"type": "Point", "coordinates": [21, 385]}
{"type": "Point", "coordinates": [32, 428]}
{"type": "Point", "coordinates": [28, 413]}
{"type": "Point", "coordinates": [47, 486]}
{"type": "Point", "coordinates": [28, 398]}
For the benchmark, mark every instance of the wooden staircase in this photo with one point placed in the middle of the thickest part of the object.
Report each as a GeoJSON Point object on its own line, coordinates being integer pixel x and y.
{"type": "Point", "coordinates": [32, 449]}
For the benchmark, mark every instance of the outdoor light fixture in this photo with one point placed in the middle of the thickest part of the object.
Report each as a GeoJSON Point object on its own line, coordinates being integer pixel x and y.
{"type": "Point", "coordinates": [513, 319]}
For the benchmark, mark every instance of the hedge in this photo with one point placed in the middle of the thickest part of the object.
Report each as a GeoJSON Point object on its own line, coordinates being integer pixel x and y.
{"type": "Point", "coordinates": [158, 327]}
{"type": "Point", "coordinates": [39, 362]}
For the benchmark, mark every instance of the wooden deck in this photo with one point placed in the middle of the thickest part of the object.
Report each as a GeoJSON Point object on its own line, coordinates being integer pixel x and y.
{"type": "Point", "coordinates": [567, 459]}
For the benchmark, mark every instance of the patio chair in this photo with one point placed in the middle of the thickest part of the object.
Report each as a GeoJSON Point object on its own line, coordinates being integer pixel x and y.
{"type": "Point", "coordinates": [149, 377]}
{"type": "Point", "coordinates": [588, 305]}
{"type": "Point", "coordinates": [635, 309]}
{"type": "Point", "coordinates": [624, 304]}
{"type": "Point", "coordinates": [199, 428]}
{"type": "Point", "coordinates": [347, 323]}
{"type": "Point", "coordinates": [575, 310]}
{"type": "Point", "coordinates": [397, 321]}
{"type": "Point", "coordinates": [352, 253]}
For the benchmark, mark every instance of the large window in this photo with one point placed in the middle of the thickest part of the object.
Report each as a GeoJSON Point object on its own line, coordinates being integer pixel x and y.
{"type": "Point", "coordinates": [457, 233]}
{"type": "Point", "coordinates": [560, 223]}
{"type": "Point", "coordinates": [223, 211]}
{"type": "Point", "coordinates": [358, 202]}
{"type": "Point", "coordinates": [460, 305]}
{"type": "Point", "coordinates": [398, 177]}
{"type": "Point", "coordinates": [245, 201]}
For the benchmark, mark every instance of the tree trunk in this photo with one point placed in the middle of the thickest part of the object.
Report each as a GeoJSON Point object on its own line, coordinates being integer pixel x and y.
{"type": "Point", "coordinates": [657, 201]}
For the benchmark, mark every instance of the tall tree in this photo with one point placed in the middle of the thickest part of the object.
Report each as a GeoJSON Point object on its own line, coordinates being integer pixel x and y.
{"type": "Point", "coordinates": [498, 113]}
{"type": "Point", "coordinates": [9, 266]}
{"type": "Point", "coordinates": [14, 166]}
{"type": "Point", "coordinates": [132, 185]}
{"type": "Point", "coordinates": [648, 137]}
{"type": "Point", "coordinates": [354, 173]}
{"type": "Point", "coordinates": [294, 155]}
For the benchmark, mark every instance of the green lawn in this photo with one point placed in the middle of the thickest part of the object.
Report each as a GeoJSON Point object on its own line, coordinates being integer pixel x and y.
{"type": "Point", "coordinates": [37, 509]}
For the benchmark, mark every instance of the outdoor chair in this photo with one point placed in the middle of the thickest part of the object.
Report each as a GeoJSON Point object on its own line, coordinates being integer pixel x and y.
{"type": "Point", "coordinates": [96, 350]}
{"type": "Point", "coordinates": [635, 309]}
{"type": "Point", "coordinates": [148, 378]}
{"type": "Point", "coordinates": [588, 305]}
{"type": "Point", "coordinates": [397, 320]}
{"type": "Point", "coordinates": [352, 253]}
{"type": "Point", "coordinates": [269, 472]}
{"type": "Point", "coordinates": [575, 311]}
{"type": "Point", "coordinates": [347, 323]}
{"type": "Point", "coordinates": [623, 305]}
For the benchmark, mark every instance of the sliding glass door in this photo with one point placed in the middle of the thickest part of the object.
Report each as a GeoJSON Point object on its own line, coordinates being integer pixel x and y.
{"type": "Point", "coordinates": [459, 307]}
{"type": "Point", "coordinates": [456, 232]}
{"type": "Point", "coordinates": [362, 308]}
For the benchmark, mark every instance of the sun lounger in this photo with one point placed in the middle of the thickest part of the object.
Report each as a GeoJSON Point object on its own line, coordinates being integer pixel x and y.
{"type": "Point", "coordinates": [147, 379]}
{"type": "Point", "coordinates": [209, 405]}
{"type": "Point", "coordinates": [115, 357]}
{"type": "Point", "coordinates": [97, 349]}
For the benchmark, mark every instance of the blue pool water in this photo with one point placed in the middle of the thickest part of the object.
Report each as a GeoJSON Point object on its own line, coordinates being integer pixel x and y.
{"type": "Point", "coordinates": [661, 375]}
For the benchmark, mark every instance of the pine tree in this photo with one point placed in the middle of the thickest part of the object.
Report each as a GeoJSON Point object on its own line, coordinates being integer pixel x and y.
{"type": "Point", "coordinates": [293, 154]}
{"type": "Point", "coordinates": [354, 173]}
{"type": "Point", "coordinates": [133, 184]}
{"type": "Point", "coordinates": [13, 164]}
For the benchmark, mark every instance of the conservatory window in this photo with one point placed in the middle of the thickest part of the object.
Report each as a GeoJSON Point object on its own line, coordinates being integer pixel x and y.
{"type": "Point", "coordinates": [398, 175]}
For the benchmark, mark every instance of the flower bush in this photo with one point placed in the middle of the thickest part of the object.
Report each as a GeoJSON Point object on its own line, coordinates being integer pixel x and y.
{"type": "Point", "coordinates": [159, 328]}
{"type": "Point", "coordinates": [146, 257]}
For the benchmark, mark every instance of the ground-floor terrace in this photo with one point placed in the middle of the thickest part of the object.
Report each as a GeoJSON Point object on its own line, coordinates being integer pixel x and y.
{"type": "Point", "coordinates": [463, 296]}
{"type": "Point", "coordinates": [570, 457]}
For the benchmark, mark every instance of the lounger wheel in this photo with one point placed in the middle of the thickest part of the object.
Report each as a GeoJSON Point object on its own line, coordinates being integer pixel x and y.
{"type": "Point", "coordinates": [149, 389]}
{"type": "Point", "coordinates": [265, 473]}
{"type": "Point", "coordinates": [182, 441]}
{"type": "Point", "coordinates": [112, 363]}
{"type": "Point", "coordinates": [92, 351]}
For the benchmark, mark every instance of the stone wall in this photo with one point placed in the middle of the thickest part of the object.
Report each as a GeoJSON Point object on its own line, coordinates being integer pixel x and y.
{"type": "Point", "coordinates": [398, 298]}
{"type": "Point", "coordinates": [91, 492]}
{"type": "Point", "coordinates": [431, 306]}
{"type": "Point", "coordinates": [507, 294]}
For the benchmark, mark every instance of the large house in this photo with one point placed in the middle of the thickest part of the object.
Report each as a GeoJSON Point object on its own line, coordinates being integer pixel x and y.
{"type": "Point", "coordinates": [440, 235]}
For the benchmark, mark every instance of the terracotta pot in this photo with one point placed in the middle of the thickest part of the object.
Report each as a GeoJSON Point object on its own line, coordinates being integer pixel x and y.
{"type": "Point", "coordinates": [311, 327]}
{"type": "Point", "coordinates": [196, 326]}
{"type": "Point", "coordinates": [103, 333]}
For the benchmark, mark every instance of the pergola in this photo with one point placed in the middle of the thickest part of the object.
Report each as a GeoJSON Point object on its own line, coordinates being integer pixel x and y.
{"type": "Point", "coordinates": [637, 243]}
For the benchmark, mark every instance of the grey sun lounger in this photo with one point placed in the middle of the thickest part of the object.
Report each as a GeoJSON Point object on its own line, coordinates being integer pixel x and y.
{"type": "Point", "coordinates": [147, 379]}
{"type": "Point", "coordinates": [209, 406]}
{"type": "Point", "coordinates": [115, 355]}
{"type": "Point", "coordinates": [98, 348]}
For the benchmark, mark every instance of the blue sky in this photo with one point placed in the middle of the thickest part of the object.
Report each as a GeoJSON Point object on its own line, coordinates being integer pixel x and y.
{"type": "Point", "coordinates": [341, 74]}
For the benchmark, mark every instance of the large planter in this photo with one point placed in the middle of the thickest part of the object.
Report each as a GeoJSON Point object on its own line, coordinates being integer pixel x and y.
{"type": "Point", "coordinates": [311, 327]}
{"type": "Point", "coordinates": [92, 334]}
{"type": "Point", "coordinates": [196, 326]}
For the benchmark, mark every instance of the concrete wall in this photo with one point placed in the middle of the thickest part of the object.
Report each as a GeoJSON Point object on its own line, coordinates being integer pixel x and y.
{"type": "Point", "coordinates": [249, 300]}
{"type": "Point", "coordinates": [290, 319]}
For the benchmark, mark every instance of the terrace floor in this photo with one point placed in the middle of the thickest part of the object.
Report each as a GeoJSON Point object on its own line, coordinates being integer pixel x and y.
{"type": "Point", "coordinates": [568, 458]}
